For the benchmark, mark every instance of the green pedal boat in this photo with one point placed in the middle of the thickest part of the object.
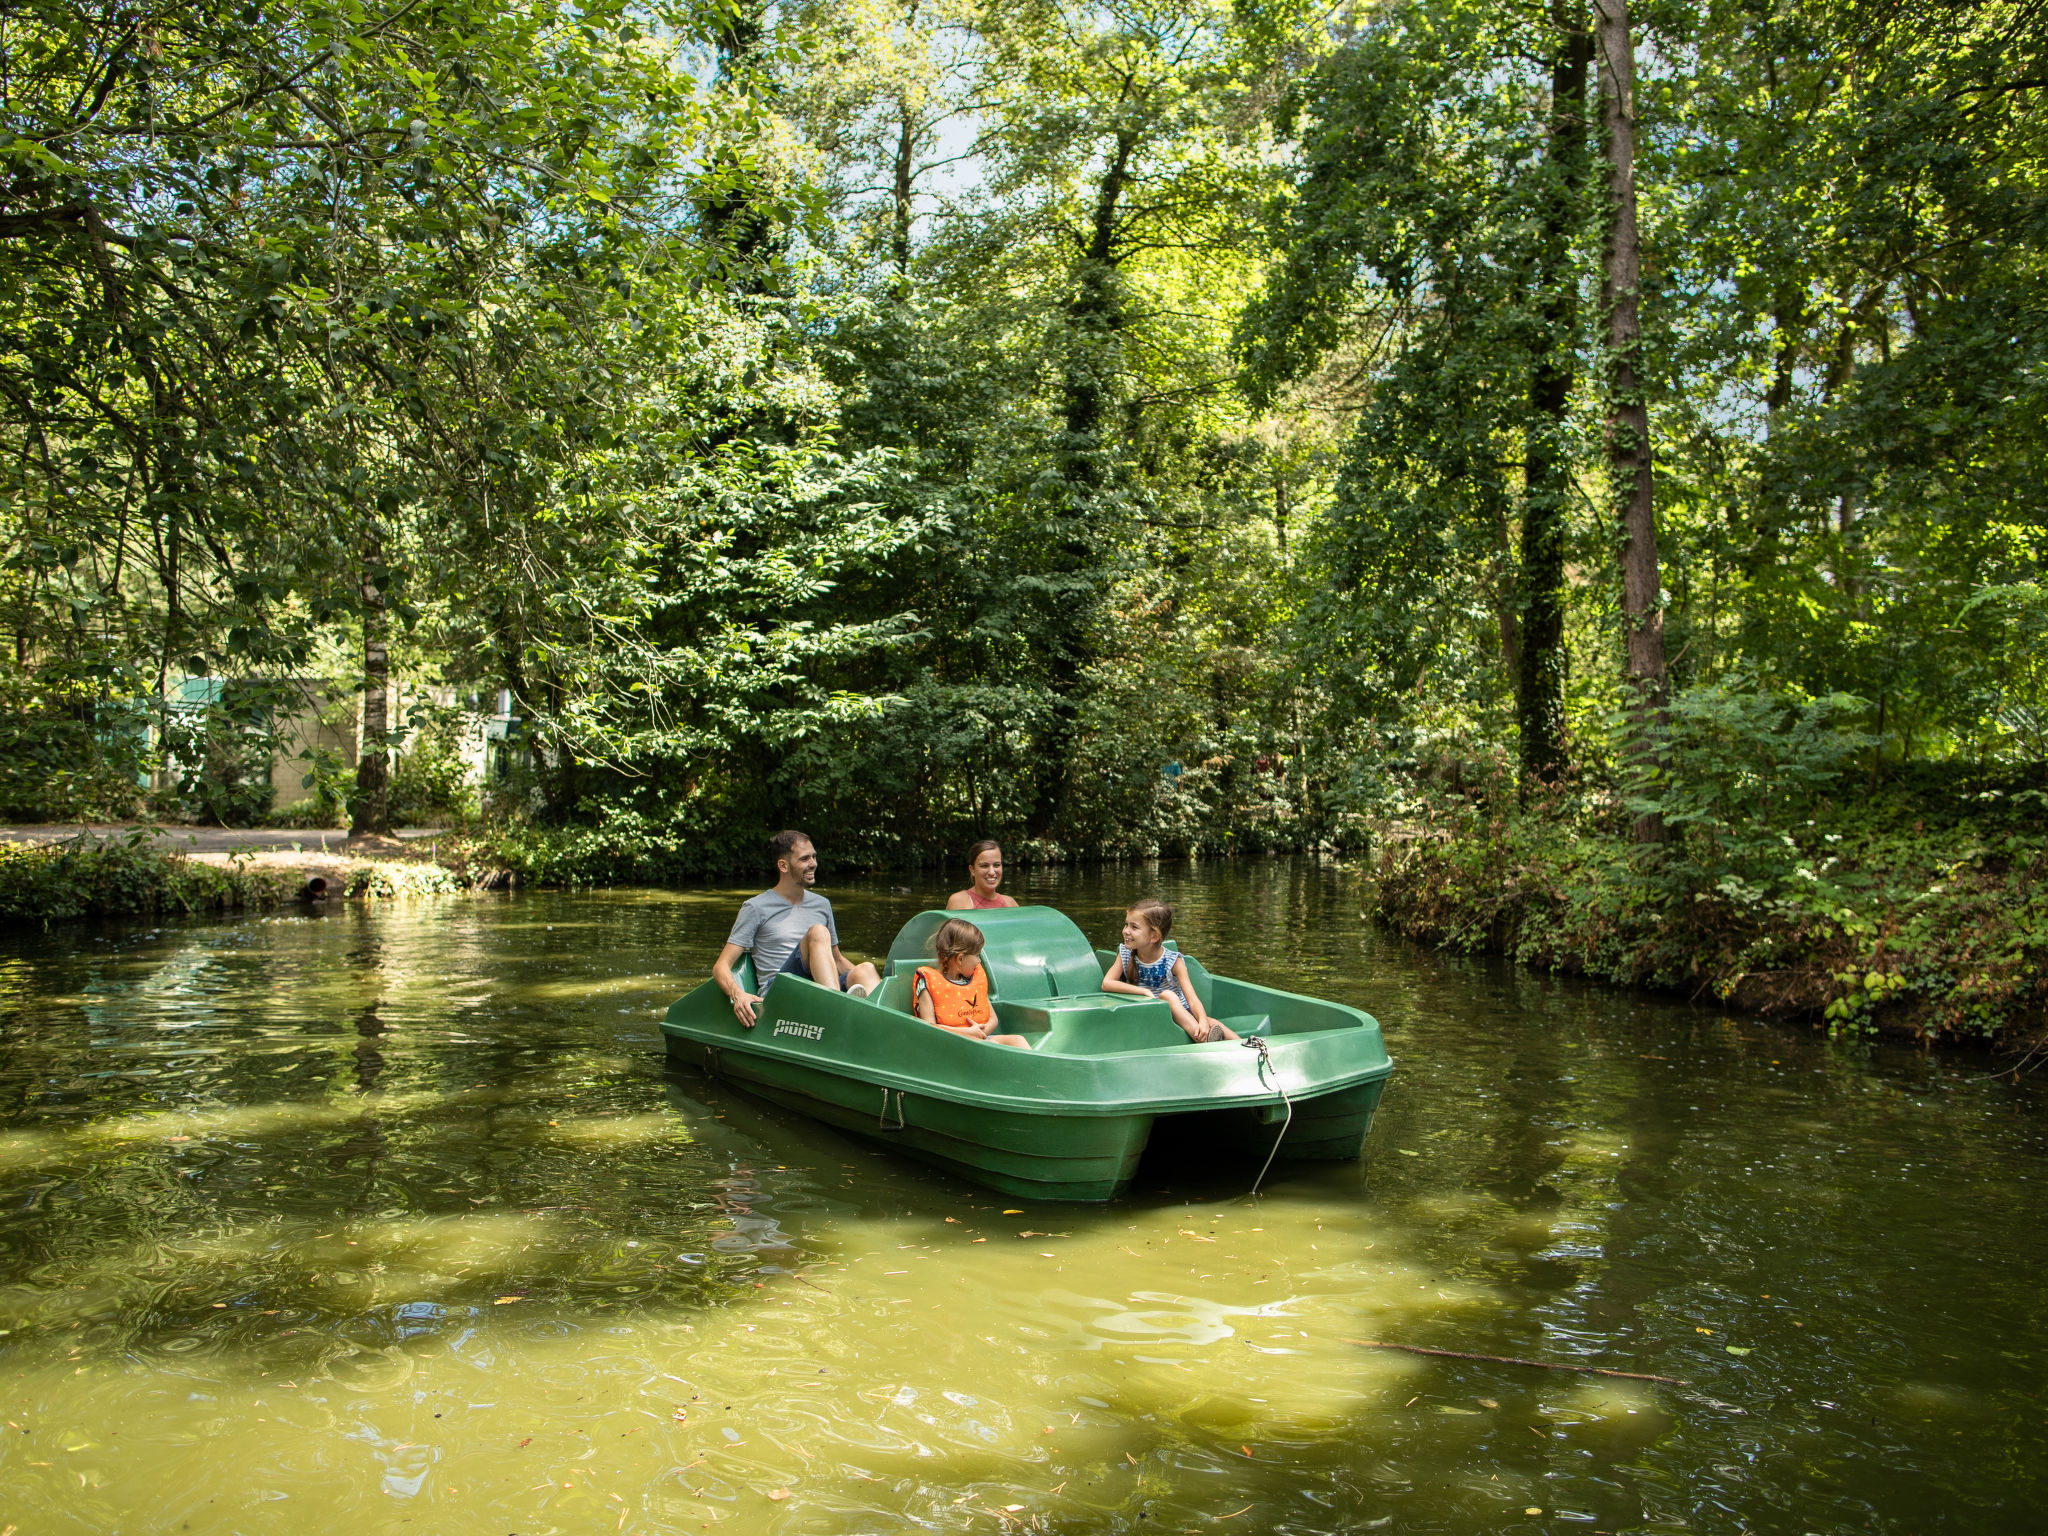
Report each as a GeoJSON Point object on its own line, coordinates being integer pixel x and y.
{"type": "Point", "coordinates": [1068, 1118]}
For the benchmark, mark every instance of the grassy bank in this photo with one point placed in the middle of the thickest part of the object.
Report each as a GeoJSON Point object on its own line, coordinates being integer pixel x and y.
{"type": "Point", "coordinates": [1916, 907]}
{"type": "Point", "coordinates": [132, 877]}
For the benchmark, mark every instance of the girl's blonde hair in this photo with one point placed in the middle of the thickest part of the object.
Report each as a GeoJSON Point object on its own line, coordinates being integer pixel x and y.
{"type": "Point", "coordinates": [1154, 914]}
{"type": "Point", "coordinates": [956, 937]}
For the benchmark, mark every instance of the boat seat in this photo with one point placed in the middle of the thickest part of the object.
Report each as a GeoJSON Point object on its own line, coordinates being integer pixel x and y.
{"type": "Point", "coordinates": [894, 992]}
{"type": "Point", "coordinates": [1030, 952]}
{"type": "Point", "coordinates": [1092, 1024]}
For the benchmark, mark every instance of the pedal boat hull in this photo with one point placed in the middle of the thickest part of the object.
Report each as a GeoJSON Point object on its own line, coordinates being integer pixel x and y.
{"type": "Point", "coordinates": [1069, 1118]}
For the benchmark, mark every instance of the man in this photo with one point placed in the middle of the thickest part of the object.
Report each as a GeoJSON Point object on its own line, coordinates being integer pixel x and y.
{"type": "Point", "coordinates": [790, 932]}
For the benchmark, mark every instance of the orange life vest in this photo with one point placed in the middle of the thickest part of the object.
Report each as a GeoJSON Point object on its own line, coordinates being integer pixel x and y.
{"type": "Point", "coordinates": [955, 1006]}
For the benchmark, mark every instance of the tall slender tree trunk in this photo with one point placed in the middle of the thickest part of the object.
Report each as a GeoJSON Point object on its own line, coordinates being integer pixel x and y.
{"type": "Point", "coordinates": [740, 229]}
{"type": "Point", "coordinates": [371, 809]}
{"type": "Point", "coordinates": [1095, 318]}
{"type": "Point", "coordinates": [1545, 515]}
{"type": "Point", "coordinates": [1628, 414]}
{"type": "Point", "coordinates": [899, 232]}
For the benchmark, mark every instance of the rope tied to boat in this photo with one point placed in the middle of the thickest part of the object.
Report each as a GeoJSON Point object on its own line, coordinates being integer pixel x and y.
{"type": "Point", "coordinates": [1258, 1043]}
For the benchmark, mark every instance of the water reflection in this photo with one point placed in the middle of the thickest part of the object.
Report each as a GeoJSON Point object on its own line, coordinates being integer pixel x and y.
{"type": "Point", "coordinates": [400, 1203]}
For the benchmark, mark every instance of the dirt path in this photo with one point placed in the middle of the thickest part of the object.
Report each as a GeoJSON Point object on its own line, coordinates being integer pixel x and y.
{"type": "Point", "coordinates": [326, 856]}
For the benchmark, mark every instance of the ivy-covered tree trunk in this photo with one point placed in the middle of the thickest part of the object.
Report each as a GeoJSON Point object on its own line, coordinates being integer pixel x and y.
{"type": "Point", "coordinates": [1628, 419]}
{"type": "Point", "coordinates": [901, 204]}
{"type": "Point", "coordinates": [745, 234]}
{"type": "Point", "coordinates": [1545, 465]}
{"type": "Point", "coordinates": [1095, 318]}
{"type": "Point", "coordinates": [370, 810]}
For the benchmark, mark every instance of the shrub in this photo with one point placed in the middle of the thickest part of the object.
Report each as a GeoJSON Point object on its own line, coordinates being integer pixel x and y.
{"type": "Point", "coordinates": [127, 877]}
{"type": "Point", "coordinates": [431, 783]}
{"type": "Point", "coordinates": [1788, 884]}
{"type": "Point", "coordinates": [66, 753]}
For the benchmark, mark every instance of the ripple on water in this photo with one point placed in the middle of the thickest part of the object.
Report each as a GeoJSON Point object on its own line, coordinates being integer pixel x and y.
{"type": "Point", "coordinates": [368, 1370]}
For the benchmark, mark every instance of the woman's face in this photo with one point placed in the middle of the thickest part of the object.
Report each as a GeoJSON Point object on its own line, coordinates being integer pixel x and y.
{"type": "Point", "coordinates": [987, 869]}
{"type": "Point", "coordinates": [1138, 933]}
{"type": "Point", "coordinates": [959, 968]}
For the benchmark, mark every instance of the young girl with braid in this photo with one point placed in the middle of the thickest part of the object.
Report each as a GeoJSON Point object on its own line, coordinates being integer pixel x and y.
{"type": "Point", "coordinates": [954, 993]}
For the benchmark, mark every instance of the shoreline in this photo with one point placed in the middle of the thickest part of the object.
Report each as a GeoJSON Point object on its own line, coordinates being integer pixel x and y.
{"type": "Point", "coordinates": [1575, 909]}
{"type": "Point", "coordinates": [1933, 938]}
{"type": "Point", "coordinates": [142, 872]}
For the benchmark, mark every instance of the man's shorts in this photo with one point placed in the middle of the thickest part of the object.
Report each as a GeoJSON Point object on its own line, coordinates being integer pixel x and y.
{"type": "Point", "coordinates": [794, 966]}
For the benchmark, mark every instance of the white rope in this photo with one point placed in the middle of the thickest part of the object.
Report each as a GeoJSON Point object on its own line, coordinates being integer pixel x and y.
{"type": "Point", "coordinates": [1258, 1043]}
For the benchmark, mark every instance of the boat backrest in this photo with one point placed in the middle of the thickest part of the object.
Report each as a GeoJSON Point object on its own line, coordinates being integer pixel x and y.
{"type": "Point", "coordinates": [1205, 985]}
{"type": "Point", "coordinates": [1030, 951]}
{"type": "Point", "coordinates": [894, 992]}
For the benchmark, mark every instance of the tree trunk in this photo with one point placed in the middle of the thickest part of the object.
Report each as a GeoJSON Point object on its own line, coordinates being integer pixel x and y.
{"type": "Point", "coordinates": [1540, 691]}
{"type": "Point", "coordinates": [742, 232]}
{"type": "Point", "coordinates": [370, 811]}
{"type": "Point", "coordinates": [899, 234]}
{"type": "Point", "coordinates": [1094, 319]}
{"type": "Point", "coordinates": [1628, 420]}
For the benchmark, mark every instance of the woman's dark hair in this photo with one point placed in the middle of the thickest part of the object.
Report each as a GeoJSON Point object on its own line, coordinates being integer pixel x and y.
{"type": "Point", "coordinates": [1155, 914]}
{"type": "Point", "coordinates": [783, 844]}
{"type": "Point", "coordinates": [956, 936]}
{"type": "Point", "coordinates": [986, 845]}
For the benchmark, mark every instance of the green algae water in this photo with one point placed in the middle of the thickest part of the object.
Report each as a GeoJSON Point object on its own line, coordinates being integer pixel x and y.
{"type": "Point", "coordinates": [394, 1219]}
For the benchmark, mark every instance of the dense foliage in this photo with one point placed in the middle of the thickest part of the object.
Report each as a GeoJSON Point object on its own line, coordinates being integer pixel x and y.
{"type": "Point", "coordinates": [1118, 427]}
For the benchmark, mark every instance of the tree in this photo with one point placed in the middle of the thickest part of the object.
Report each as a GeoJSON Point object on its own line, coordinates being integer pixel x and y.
{"type": "Point", "coordinates": [1847, 264]}
{"type": "Point", "coordinates": [1628, 421]}
{"type": "Point", "coordinates": [329, 321]}
{"type": "Point", "coordinates": [1433, 240]}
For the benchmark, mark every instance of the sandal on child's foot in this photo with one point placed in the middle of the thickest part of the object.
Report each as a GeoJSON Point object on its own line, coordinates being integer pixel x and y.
{"type": "Point", "coordinates": [1215, 1034]}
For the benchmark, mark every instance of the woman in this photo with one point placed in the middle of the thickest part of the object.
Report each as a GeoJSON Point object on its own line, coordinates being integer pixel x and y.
{"type": "Point", "coordinates": [985, 871]}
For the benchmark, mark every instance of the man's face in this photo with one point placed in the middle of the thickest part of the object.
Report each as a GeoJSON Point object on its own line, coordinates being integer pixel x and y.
{"type": "Point", "coordinates": [801, 861]}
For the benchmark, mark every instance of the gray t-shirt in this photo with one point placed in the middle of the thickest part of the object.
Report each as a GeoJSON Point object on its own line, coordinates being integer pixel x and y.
{"type": "Point", "coordinates": [772, 928]}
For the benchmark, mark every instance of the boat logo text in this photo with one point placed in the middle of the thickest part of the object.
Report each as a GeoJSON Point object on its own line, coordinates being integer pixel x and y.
{"type": "Point", "coordinates": [808, 1031]}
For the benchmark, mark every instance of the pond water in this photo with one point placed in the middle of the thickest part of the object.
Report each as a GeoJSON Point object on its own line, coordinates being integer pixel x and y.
{"type": "Point", "coordinates": [392, 1219]}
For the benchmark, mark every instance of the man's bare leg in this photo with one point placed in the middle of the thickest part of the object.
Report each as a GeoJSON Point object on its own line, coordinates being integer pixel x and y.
{"type": "Point", "coordinates": [824, 969]}
{"type": "Point", "coordinates": [817, 952]}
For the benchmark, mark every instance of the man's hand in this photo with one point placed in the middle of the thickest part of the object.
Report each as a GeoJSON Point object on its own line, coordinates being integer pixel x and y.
{"type": "Point", "coordinates": [743, 1007]}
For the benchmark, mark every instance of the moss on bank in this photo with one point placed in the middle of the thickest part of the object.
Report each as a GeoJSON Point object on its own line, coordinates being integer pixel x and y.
{"type": "Point", "coordinates": [1911, 911]}
{"type": "Point", "coordinates": [131, 877]}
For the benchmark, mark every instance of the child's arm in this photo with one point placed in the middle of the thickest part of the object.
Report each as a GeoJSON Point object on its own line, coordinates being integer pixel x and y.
{"type": "Point", "coordinates": [1113, 980]}
{"type": "Point", "coordinates": [921, 1001]}
{"type": "Point", "coordinates": [1187, 989]}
